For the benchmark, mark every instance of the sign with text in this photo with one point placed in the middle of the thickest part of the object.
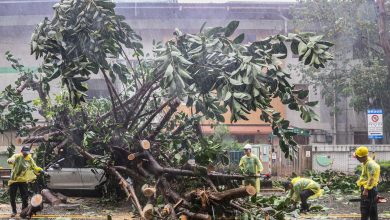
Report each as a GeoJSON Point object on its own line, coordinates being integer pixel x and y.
{"type": "Point", "coordinates": [375, 123]}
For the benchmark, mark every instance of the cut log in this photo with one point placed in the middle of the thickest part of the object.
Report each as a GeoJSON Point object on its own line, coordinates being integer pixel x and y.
{"type": "Point", "coordinates": [133, 156]}
{"type": "Point", "coordinates": [147, 190]}
{"type": "Point", "coordinates": [147, 211]}
{"type": "Point", "coordinates": [62, 197]}
{"type": "Point", "coordinates": [50, 197]}
{"type": "Point", "coordinates": [231, 194]}
{"type": "Point", "coordinates": [36, 205]}
{"type": "Point", "coordinates": [145, 144]}
{"type": "Point", "coordinates": [167, 210]}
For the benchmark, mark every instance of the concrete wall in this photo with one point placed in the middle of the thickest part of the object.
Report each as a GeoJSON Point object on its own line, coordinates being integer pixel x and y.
{"type": "Point", "coordinates": [340, 156]}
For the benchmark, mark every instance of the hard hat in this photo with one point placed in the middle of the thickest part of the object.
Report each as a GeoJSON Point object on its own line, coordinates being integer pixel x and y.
{"type": "Point", "coordinates": [26, 149]}
{"type": "Point", "coordinates": [248, 147]}
{"type": "Point", "coordinates": [361, 151]}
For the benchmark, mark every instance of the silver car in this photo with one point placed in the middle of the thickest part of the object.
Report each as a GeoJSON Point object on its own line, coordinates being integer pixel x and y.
{"type": "Point", "coordinates": [72, 173]}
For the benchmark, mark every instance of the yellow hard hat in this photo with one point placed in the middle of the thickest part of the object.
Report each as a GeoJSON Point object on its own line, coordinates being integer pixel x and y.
{"type": "Point", "coordinates": [361, 151]}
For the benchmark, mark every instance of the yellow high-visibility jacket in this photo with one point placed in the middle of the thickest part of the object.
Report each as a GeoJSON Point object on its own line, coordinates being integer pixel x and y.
{"type": "Point", "coordinates": [251, 166]}
{"type": "Point", "coordinates": [24, 169]}
{"type": "Point", "coordinates": [300, 184]}
{"type": "Point", "coordinates": [370, 174]}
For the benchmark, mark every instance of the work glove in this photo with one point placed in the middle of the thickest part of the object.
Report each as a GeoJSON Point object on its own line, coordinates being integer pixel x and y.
{"type": "Point", "coordinates": [11, 161]}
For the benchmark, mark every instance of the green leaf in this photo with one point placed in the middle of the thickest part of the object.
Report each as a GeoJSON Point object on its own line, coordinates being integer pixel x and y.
{"type": "Point", "coordinates": [169, 70]}
{"type": "Point", "coordinates": [302, 48]}
{"type": "Point", "coordinates": [303, 94]}
{"type": "Point", "coordinates": [242, 95]}
{"type": "Point", "coordinates": [214, 31]}
{"type": "Point", "coordinates": [184, 61]}
{"type": "Point", "coordinates": [316, 38]}
{"type": "Point", "coordinates": [235, 82]}
{"type": "Point", "coordinates": [239, 39]}
{"type": "Point", "coordinates": [183, 73]}
{"type": "Point", "coordinates": [312, 104]}
{"type": "Point", "coordinates": [327, 43]}
{"type": "Point", "coordinates": [293, 106]}
{"type": "Point", "coordinates": [228, 96]}
{"type": "Point", "coordinates": [294, 46]}
{"type": "Point", "coordinates": [231, 28]}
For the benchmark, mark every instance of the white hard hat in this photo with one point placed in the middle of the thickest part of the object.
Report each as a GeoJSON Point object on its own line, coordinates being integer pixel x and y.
{"type": "Point", "coordinates": [248, 146]}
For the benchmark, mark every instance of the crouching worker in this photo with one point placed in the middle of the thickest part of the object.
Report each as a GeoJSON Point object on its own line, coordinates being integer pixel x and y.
{"type": "Point", "coordinates": [250, 165]}
{"type": "Point", "coordinates": [24, 170]}
{"type": "Point", "coordinates": [303, 189]}
{"type": "Point", "coordinates": [367, 182]}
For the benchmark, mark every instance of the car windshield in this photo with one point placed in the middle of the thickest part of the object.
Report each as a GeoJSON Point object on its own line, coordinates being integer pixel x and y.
{"type": "Point", "coordinates": [73, 161]}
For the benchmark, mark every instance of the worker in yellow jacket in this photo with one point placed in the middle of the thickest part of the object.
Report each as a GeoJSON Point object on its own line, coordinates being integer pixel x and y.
{"type": "Point", "coordinates": [250, 165]}
{"type": "Point", "coordinates": [367, 182]}
{"type": "Point", "coordinates": [303, 189]}
{"type": "Point", "coordinates": [24, 170]}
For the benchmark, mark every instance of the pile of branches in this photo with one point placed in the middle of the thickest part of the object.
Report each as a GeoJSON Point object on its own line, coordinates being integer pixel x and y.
{"type": "Point", "coordinates": [139, 136]}
{"type": "Point", "coordinates": [334, 180]}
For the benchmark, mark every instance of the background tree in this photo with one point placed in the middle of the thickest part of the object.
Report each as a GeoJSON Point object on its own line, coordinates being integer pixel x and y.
{"type": "Point", "coordinates": [353, 27]}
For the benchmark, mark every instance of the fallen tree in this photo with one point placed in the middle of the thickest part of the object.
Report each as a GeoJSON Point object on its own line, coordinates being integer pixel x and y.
{"type": "Point", "coordinates": [139, 136]}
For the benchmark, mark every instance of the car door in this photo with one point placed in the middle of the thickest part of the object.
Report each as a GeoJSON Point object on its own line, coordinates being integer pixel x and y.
{"type": "Point", "coordinates": [91, 177]}
{"type": "Point", "coordinates": [65, 176]}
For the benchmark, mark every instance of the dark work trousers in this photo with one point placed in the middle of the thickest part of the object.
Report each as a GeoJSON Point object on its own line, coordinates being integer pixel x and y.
{"type": "Point", "coordinates": [305, 194]}
{"type": "Point", "coordinates": [368, 205]}
{"type": "Point", "coordinates": [23, 193]}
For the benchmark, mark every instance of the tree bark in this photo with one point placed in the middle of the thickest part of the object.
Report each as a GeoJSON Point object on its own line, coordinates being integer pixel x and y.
{"type": "Point", "coordinates": [231, 194]}
{"type": "Point", "coordinates": [150, 119]}
{"type": "Point", "coordinates": [62, 197]}
{"type": "Point", "coordinates": [131, 173]}
{"type": "Point", "coordinates": [173, 107]}
{"type": "Point", "coordinates": [37, 139]}
{"type": "Point", "coordinates": [36, 205]}
{"type": "Point", "coordinates": [128, 188]}
{"type": "Point", "coordinates": [50, 197]}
